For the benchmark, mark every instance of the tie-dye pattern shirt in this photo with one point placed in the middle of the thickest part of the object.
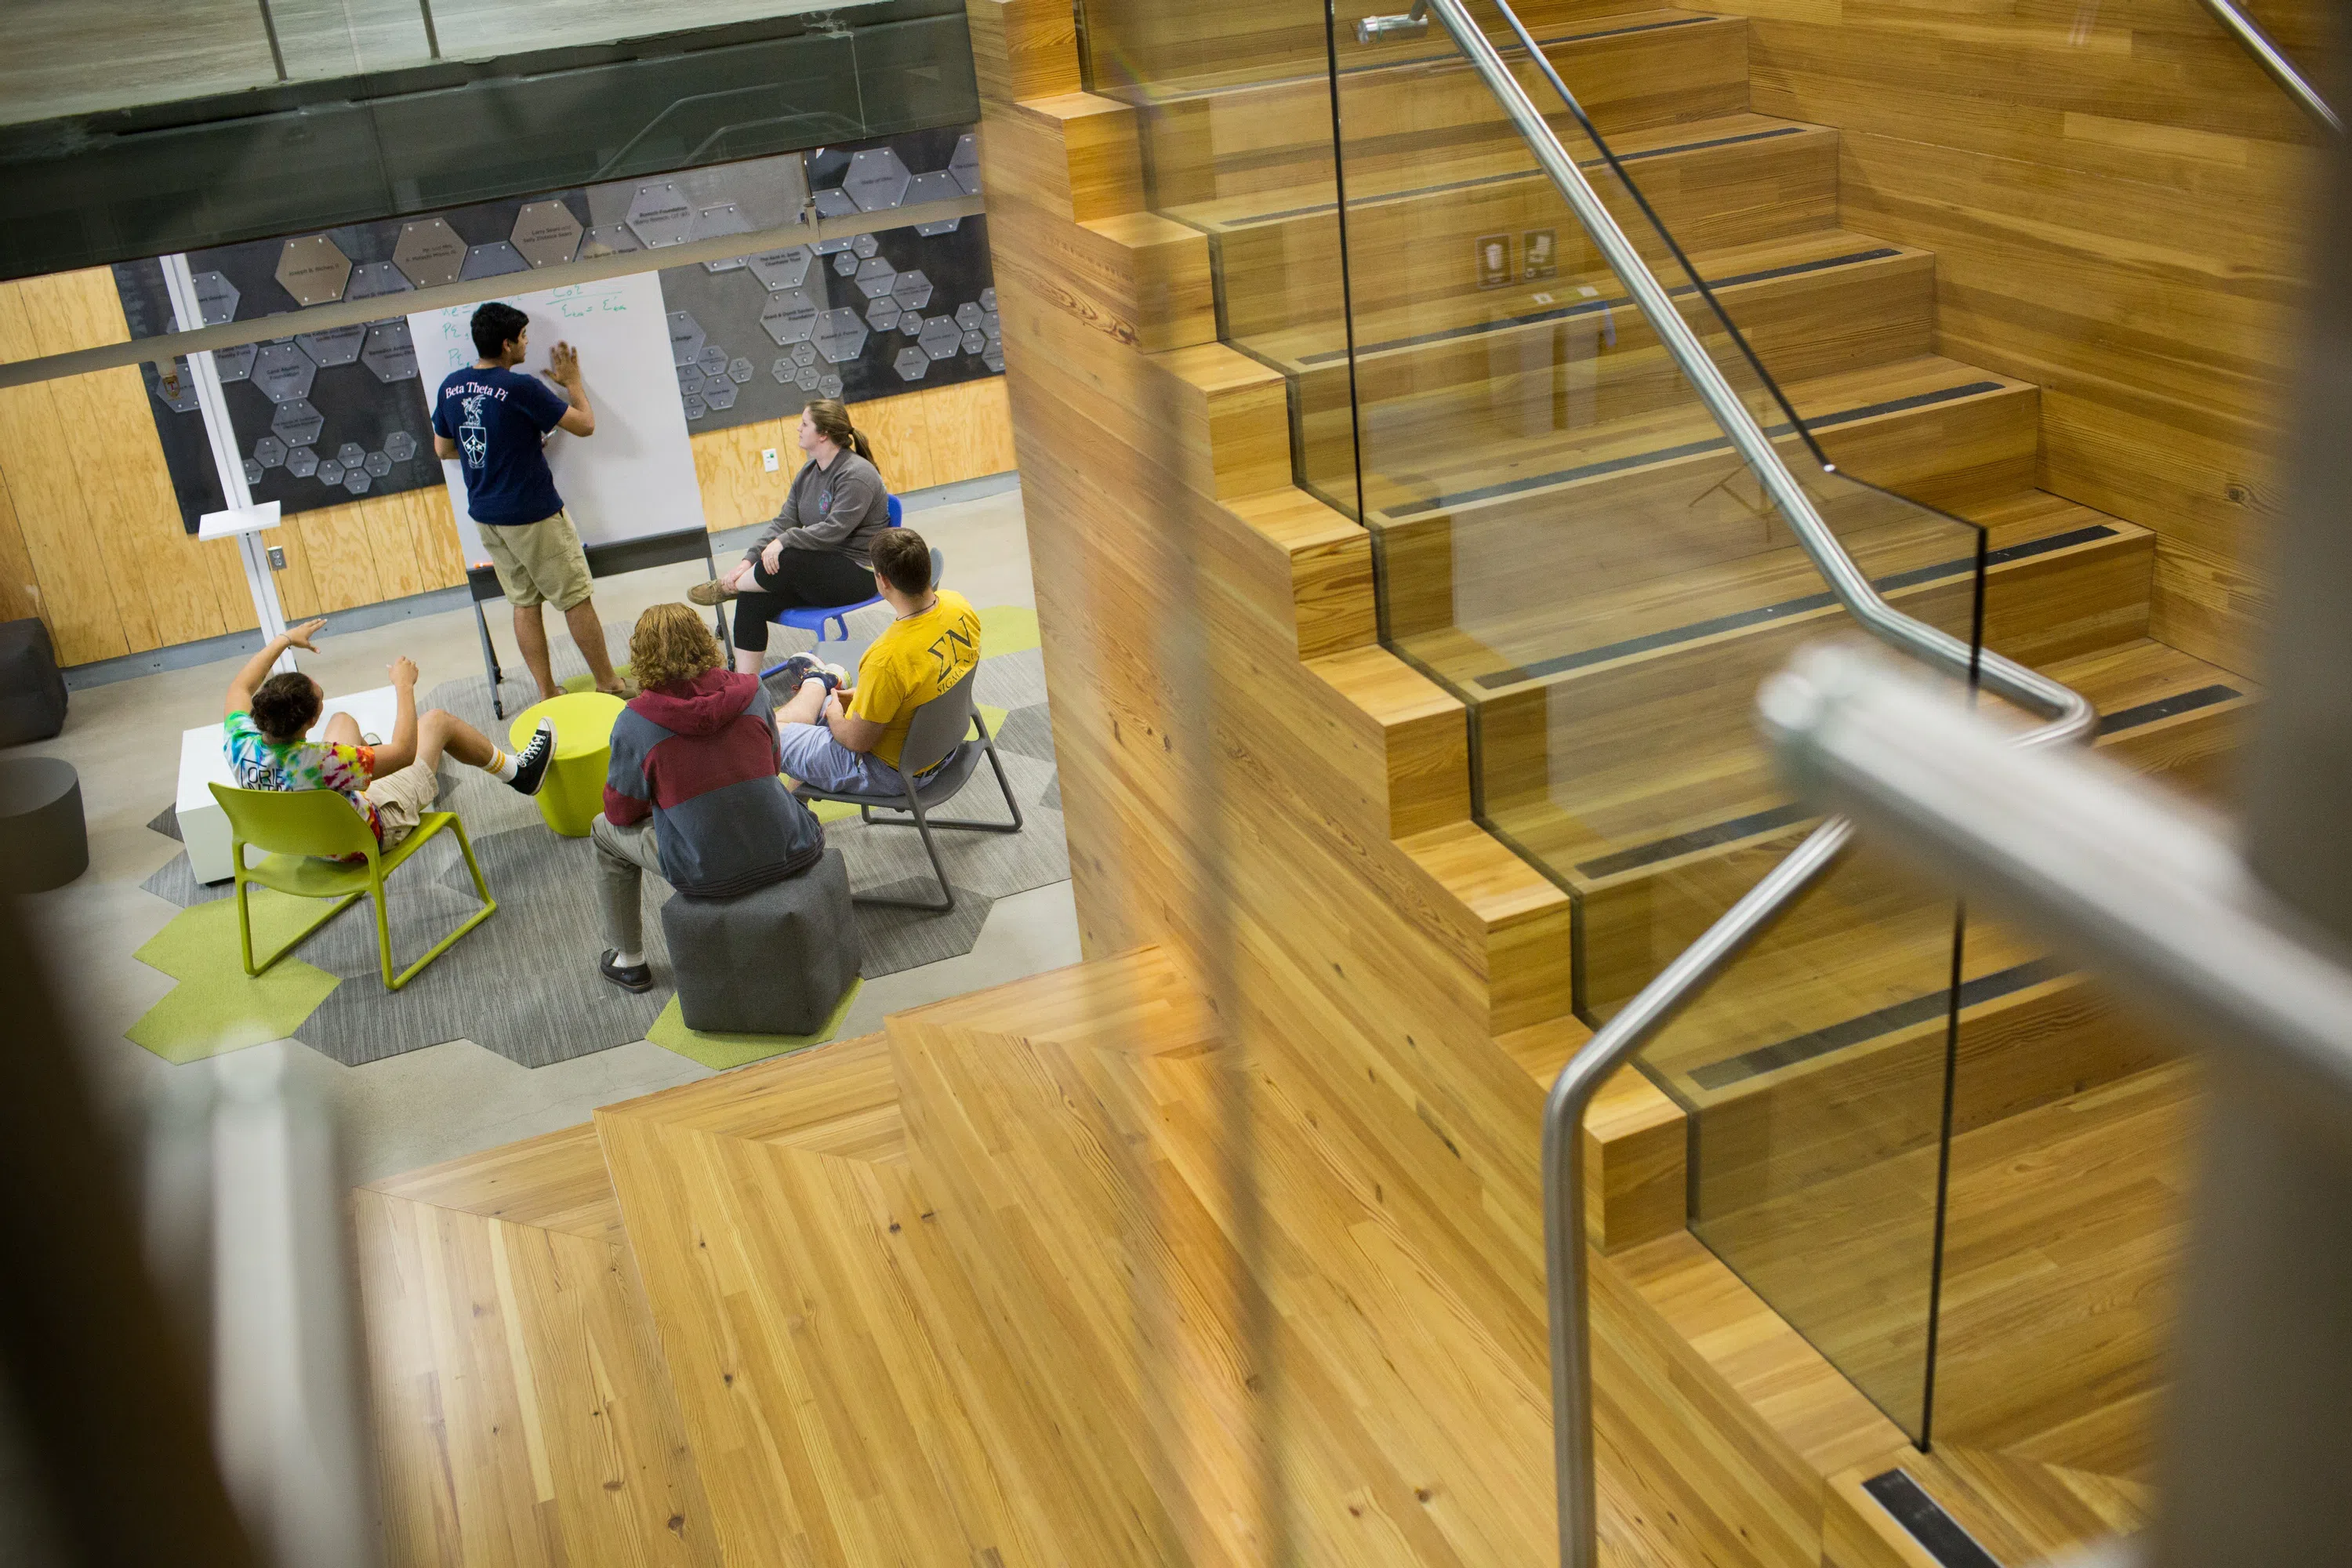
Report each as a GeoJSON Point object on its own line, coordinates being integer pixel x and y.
{"type": "Point", "coordinates": [256, 762]}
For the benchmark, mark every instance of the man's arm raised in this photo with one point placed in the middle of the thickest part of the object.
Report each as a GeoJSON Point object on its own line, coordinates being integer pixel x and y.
{"type": "Point", "coordinates": [257, 669]}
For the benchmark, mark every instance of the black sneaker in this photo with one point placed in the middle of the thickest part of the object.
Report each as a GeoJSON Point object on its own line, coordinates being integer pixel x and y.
{"type": "Point", "coordinates": [636, 977]}
{"type": "Point", "coordinates": [530, 767]}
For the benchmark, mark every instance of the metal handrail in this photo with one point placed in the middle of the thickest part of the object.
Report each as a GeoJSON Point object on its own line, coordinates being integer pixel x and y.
{"type": "Point", "coordinates": [2070, 718]}
{"type": "Point", "coordinates": [2274, 63]}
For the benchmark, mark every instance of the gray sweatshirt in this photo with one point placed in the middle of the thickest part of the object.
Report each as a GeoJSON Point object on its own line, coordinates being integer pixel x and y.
{"type": "Point", "coordinates": [840, 508]}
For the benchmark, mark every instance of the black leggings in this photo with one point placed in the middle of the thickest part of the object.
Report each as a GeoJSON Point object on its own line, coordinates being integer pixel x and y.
{"type": "Point", "coordinates": [803, 580]}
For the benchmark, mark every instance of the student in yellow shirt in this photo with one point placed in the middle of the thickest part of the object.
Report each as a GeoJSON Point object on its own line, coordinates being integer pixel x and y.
{"type": "Point", "coordinates": [848, 740]}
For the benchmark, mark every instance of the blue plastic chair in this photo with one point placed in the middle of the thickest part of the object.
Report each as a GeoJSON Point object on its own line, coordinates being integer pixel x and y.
{"type": "Point", "coordinates": [815, 618]}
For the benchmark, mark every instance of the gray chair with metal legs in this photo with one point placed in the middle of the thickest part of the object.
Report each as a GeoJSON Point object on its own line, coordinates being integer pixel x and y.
{"type": "Point", "coordinates": [938, 729]}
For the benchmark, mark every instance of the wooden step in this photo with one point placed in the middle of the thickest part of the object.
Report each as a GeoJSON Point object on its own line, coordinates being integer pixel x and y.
{"type": "Point", "coordinates": [523, 1413]}
{"type": "Point", "coordinates": [2017, 1511]}
{"type": "Point", "coordinates": [1412, 232]}
{"type": "Point", "coordinates": [1547, 358]}
{"type": "Point", "coordinates": [1634, 70]}
{"type": "Point", "coordinates": [839, 1380]}
{"type": "Point", "coordinates": [1210, 1288]}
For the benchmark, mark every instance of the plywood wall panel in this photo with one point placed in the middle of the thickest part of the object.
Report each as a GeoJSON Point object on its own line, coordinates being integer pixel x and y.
{"type": "Point", "coordinates": [899, 428]}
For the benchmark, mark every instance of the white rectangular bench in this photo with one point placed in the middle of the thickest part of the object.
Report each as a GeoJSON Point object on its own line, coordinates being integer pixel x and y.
{"type": "Point", "coordinates": [203, 826]}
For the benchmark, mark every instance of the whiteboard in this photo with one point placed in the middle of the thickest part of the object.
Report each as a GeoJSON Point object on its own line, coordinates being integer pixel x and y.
{"type": "Point", "coordinates": [634, 476]}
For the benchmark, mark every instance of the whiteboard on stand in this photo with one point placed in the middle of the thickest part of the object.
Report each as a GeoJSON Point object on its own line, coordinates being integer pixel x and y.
{"type": "Point", "coordinates": [634, 476]}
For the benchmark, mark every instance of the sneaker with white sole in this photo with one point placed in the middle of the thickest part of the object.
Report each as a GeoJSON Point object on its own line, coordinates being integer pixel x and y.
{"type": "Point", "coordinates": [531, 764]}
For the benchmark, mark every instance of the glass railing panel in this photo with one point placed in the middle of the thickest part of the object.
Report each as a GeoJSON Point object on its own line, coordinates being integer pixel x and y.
{"type": "Point", "coordinates": [1236, 112]}
{"type": "Point", "coordinates": [1813, 1077]}
{"type": "Point", "coordinates": [1566, 537]}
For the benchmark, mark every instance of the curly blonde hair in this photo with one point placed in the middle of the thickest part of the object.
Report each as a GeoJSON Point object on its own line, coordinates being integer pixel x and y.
{"type": "Point", "coordinates": [670, 643]}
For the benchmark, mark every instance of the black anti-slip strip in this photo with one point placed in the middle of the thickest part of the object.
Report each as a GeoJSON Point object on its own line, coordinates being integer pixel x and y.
{"type": "Point", "coordinates": [1706, 838]}
{"type": "Point", "coordinates": [2165, 707]}
{"type": "Point", "coordinates": [1870, 1025]}
{"type": "Point", "coordinates": [1594, 306]}
{"type": "Point", "coordinates": [1926, 1521]}
{"type": "Point", "coordinates": [1687, 449]}
{"type": "Point", "coordinates": [1260, 219]}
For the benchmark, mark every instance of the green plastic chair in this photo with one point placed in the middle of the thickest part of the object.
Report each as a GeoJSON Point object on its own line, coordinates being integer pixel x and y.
{"type": "Point", "coordinates": [297, 827]}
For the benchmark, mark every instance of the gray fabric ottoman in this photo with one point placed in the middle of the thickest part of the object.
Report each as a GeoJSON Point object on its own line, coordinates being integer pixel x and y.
{"type": "Point", "coordinates": [774, 961]}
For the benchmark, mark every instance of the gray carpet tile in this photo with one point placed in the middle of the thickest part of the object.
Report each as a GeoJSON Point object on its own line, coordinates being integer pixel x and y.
{"type": "Point", "coordinates": [1052, 799]}
{"type": "Point", "coordinates": [1028, 730]}
{"type": "Point", "coordinates": [1011, 680]}
{"type": "Point", "coordinates": [167, 823]}
{"type": "Point", "coordinates": [905, 938]}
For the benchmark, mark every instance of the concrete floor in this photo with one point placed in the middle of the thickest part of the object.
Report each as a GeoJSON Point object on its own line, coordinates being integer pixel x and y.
{"type": "Point", "coordinates": [452, 1099]}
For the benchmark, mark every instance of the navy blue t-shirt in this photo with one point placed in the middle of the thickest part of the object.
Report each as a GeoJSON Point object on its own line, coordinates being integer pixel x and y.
{"type": "Point", "coordinates": [499, 418]}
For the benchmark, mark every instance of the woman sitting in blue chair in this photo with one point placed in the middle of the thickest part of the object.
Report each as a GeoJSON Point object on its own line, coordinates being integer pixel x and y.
{"type": "Point", "coordinates": [816, 554]}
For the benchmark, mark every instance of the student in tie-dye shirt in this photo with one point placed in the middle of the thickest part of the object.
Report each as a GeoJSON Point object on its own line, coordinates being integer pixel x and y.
{"type": "Point", "coordinates": [389, 784]}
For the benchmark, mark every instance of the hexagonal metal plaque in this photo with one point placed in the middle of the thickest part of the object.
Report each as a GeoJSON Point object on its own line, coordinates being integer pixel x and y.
{"type": "Point", "coordinates": [378, 463]}
{"type": "Point", "coordinates": [883, 314]}
{"type": "Point", "coordinates": [933, 230]}
{"type": "Point", "coordinates": [336, 345]}
{"type": "Point", "coordinates": [726, 218]}
{"type": "Point", "coordinates": [789, 317]}
{"type": "Point", "coordinates": [661, 214]}
{"type": "Point", "coordinates": [732, 264]}
{"type": "Point", "coordinates": [939, 338]}
{"type": "Point", "coordinates": [712, 360]}
{"type": "Point", "coordinates": [877, 181]}
{"type": "Point", "coordinates": [356, 480]}
{"type": "Point", "coordinates": [330, 472]}
{"type": "Point", "coordinates": [283, 373]}
{"type": "Point", "coordinates": [429, 253]}
{"type": "Point", "coordinates": [301, 462]}
{"type": "Point", "coordinates": [689, 379]}
{"type": "Point", "coordinates": [840, 336]}
{"type": "Point", "coordinates": [297, 423]}
{"type": "Point", "coordinates": [252, 472]}
{"type": "Point", "coordinates": [313, 270]}
{"type": "Point", "coordinates": [992, 325]}
{"type": "Point", "coordinates": [684, 337]}
{"type": "Point", "coordinates": [836, 204]}
{"type": "Point", "coordinates": [911, 363]}
{"type": "Point", "coordinates": [609, 239]}
{"type": "Point", "coordinates": [718, 395]}
{"type": "Point", "coordinates": [269, 452]}
{"type": "Point", "coordinates": [866, 245]}
{"type": "Point", "coordinates": [370, 279]}
{"type": "Point", "coordinates": [846, 264]}
{"type": "Point", "coordinates": [545, 234]}
{"type": "Point", "coordinates": [913, 290]}
{"type": "Point", "coordinates": [910, 322]}
{"type": "Point", "coordinates": [974, 340]}
{"type": "Point", "coordinates": [351, 453]}
{"type": "Point", "coordinates": [828, 386]}
{"type": "Point", "coordinates": [803, 353]}
{"type": "Point", "coordinates": [496, 260]}
{"type": "Point", "coordinates": [936, 186]}
{"type": "Point", "coordinates": [739, 370]}
{"type": "Point", "coordinates": [235, 364]}
{"type": "Point", "coordinates": [877, 277]}
{"type": "Point", "coordinates": [830, 246]}
{"type": "Point", "coordinates": [807, 379]}
{"type": "Point", "coordinates": [782, 369]}
{"type": "Point", "coordinates": [994, 358]}
{"type": "Point", "coordinates": [388, 352]}
{"type": "Point", "coordinates": [694, 405]}
{"type": "Point", "coordinates": [776, 270]}
{"type": "Point", "coordinates": [400, 445]}
{"type": "Point", "coordinates": [988, 297]}
{"type": "Point", "coordinates": [217, 298]}
{"type": "Point", "coordinates": [965, 164]}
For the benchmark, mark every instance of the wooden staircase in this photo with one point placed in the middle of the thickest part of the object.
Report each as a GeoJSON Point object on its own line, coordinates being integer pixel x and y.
{"type": "Point", "coordinates": [1226, 1247]}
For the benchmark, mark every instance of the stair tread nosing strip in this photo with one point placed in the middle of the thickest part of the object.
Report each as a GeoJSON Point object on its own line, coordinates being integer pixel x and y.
{"type": "Point", "coordinates": [1925, 1520]}
{"type": "Point", "coordinates": [1870, 1025]}
{"type": "Point", "coordinates": [1960, 567]}
{"type": "Point", "coordinates": [1594, 306]}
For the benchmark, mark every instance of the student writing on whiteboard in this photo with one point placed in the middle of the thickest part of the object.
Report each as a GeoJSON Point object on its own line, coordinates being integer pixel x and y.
{"type": "Point", "coordinates": [493, 421]}
{"type": "Point", "coordinates": [816, 552]}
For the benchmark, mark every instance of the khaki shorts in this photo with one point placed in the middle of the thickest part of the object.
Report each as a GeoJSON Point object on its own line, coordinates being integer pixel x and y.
{"type": "Point", "coordinates": [402, 799]}
{"type": "Point", "coordinates": [539, 563]}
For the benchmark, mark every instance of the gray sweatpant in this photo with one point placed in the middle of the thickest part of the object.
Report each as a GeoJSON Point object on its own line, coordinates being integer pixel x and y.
{"type": "Point", "coordinates": [623, 855]}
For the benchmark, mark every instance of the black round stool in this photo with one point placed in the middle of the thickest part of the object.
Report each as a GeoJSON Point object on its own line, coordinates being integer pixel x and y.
{"type": "Point", "coordinates": [43, 842]}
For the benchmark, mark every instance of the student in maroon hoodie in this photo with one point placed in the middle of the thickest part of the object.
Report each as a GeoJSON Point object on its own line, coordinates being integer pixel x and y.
{"type": "Point", "coordinates": [692, 795]}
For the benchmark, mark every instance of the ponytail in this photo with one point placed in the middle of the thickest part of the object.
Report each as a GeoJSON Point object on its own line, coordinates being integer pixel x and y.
{"type": "Point", "coordinates": [831, 417]}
